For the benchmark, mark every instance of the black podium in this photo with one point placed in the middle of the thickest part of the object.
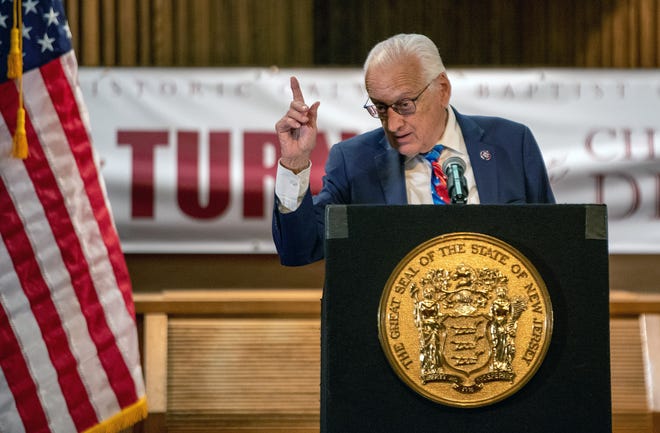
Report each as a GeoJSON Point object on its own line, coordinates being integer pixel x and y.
{"type": "Point", "coordinates": [567, 244]}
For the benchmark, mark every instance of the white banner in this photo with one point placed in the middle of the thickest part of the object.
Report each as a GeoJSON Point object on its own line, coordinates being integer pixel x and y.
{"type": "Point", "coordinates": [189, 154]}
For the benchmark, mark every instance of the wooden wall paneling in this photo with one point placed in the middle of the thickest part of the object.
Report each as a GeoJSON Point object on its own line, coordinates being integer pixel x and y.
{"type": "Point", "coordinates": [154, 357]}
{"type": "Point", "coordinates": [180, 34]}
{"type": "Point", "coordinates": [406, 17]}
{"type": "Point", "coordinates": [321, 33]}
{"type": "Point", "coordinates": [633, 36]}
{"type": "Point", "coordinates": [281, 21]}
{"type": "Point", "coordinates": [73, 18]}
{"type": "Point", "coordinates": [440, 22]}
{"type": "Point", "coordinates": [145, 33]}
{"type": "Point", "coordinates": [626, 303]}
{"type": "Point", "coordinates": [282, 33]}
{"type": "Point", "coordinates": [451, 27]}
{"type": "Point", "coordinates": [372, 27]}
{"type": "Point", "coordinates": [620, 35]}
{"type": "Point", "coordinates": [336, 25]}
{"type": "Point", "coordinates": [580, 31]}
{"type": "Point", "coordinates": [647, 32]}
{"type": "Point", "coordinates": [156, 272]}
{"type": "Point", "coordinates": [199, 30]}
{"type": "Point", "coordinates": [241, 47]}
{"type": "Point", "coordinates": [243, 373]}
{"type": "Point", "coordinates": [353, 45]}
{"type": "Point", "coordinates": [287, 45]}
{"type": "Point", "coordinates": [635, 272]}
{"type": "Point", "coordinates": [609, 33]}
{"type": "Point", "coordinates": [243, 360]}
{"type": "Point", "coordinates": [248, 360]}
{"type": "Point", "coordinates": [480, 25]}
{"type": "Point", "coordinates": [227, 32]}
{"type": "Point", "coordinates": [503, 32]}
{"type": "Point", "coordinates": [588, 25]}
{"type": "Point", "coordinates": [261, 33]}
{"type": "Point", "coordinates": [300, 43]}
{"type": "Point", "coordinates": [258, 38]}
{"type": "Point", "coordinates": [606, 31]}
{"type": "Point", "coordinates": [90, 32]}
{"type": "Point", "coordinates": [109, 32]}
{"type": "Point", "coordinates": [271, 23]}
{"type": "Point", "coordinates": [534, 29]}
{"type": "Point", "coordinates": [650, 324]}
{"type": "Point", "coordinates": [473, 34]}
{"type": "Point", "coordinates": [628, 385]}
{"type": "Point", "coordinates": [635, 355]}
{"type": "Point", "coordinates": [128, 37]}
{"type": "Point", "coordinates": [638, 273]}
{"type": "Point", "coordinates": [162, 33]}
{"type": "Point", "coordinates": [560, 33]}
{"type": "Point", "coordinates": [300, 303]}
{"type": "Point", "coordinates": [656, 41]}
{"type": "Point", "coordinates": [220, 31]}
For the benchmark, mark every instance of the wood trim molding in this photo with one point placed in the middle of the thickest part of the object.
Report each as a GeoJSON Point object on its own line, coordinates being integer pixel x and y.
{"type": "Point", "coordinates": [232, 302]}
{"type": "Point", "coordinates": [634, 303]}
{"type": "Point", "coordinates": [307, 302]}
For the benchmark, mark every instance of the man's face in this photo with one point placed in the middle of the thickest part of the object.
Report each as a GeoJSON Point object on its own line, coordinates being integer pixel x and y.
{"type": "Point", "coordinates": [413, 133]}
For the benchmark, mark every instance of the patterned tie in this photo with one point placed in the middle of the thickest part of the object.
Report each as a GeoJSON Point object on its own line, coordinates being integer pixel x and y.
{"type": "Point", "coordinates": [438, 177]}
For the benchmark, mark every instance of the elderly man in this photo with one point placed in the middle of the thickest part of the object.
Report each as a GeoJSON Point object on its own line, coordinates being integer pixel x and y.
{"type": "Point", "coordinates": [400, 162]}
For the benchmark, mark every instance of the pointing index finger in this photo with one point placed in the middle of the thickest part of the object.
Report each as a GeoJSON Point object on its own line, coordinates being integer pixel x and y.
{"type": "Point", "coordinates": [295, 89]}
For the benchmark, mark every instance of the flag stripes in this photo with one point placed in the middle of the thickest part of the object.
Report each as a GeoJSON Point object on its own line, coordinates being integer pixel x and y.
{"type": "Point", "coordinates": [61, 77]}
{"type": "Point", "coordinates": [75, 282]}
{"type": "Point", "coordinates": [83, 266]}
{"type": "Point", "coordinates": [10, 419]}
{"type": "Point", "coordinates": [26, 360]}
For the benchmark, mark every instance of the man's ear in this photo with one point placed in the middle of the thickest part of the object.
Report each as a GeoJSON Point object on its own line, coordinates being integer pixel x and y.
{"type": "Point", "coordinates": [445, 89]}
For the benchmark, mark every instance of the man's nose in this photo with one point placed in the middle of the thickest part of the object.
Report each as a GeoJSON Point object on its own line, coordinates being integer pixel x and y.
{"type": "Point", "coordinates": [394, 120]}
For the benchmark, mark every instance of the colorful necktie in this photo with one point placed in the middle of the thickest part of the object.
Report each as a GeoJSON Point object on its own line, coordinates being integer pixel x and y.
{"type": "Point", "coordinates": [438, 177]}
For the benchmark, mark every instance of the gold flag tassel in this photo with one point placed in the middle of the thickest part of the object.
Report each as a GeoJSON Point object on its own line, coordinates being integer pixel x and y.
{"type": "Point", "coordinates": [15, 71]}
{"type": "Point", "coordinates": [20, 148]}
{"type": "Point", "coordinates": [15, 60]}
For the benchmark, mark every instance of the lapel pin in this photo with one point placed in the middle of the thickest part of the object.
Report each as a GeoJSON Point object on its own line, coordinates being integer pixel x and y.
{"type": "Point", "coordinates": [485, 155]}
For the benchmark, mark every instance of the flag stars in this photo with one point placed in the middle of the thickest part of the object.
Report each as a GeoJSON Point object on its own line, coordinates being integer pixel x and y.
{"type": "Point", "coordinates": [26, 32]}
{"type": "Point", "coordinates": [30, 6]}
{"type": "Point", "coordinates": [67, 30]}
{"type": "Point", "coordinates": [51, 17]}
{"type": "Point", "coordinates": [3, 20]}
{"type": "Point", "coordinates": [46, 43]}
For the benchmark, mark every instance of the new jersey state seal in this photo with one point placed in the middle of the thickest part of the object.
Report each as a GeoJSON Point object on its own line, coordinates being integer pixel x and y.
{"type": "Point", "coordinates": [465, 320]}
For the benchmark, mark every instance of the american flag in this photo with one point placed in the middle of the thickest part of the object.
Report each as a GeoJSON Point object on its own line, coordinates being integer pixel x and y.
{"type": "Point", "coordinates": [69, 357]}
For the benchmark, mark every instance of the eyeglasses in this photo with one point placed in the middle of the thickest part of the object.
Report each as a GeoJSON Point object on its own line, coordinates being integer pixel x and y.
{"type": "Point", "coordinates": [404, 107]}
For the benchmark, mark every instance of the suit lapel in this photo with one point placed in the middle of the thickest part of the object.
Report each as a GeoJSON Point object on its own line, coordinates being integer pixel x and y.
{"type": "Point", "coordinates": [390, 171]}
{"type": "Point", "coordinates": [482, 158]}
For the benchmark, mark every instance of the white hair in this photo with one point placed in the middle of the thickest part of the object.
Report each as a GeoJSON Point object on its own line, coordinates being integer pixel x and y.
{"type": "Point", "coordinates": [398, 47]}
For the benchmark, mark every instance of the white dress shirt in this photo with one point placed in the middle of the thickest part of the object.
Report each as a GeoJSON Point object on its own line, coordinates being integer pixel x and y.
{"type": "Point", "coordinates": [290, 188]}
{"type": "Point", "coordinates": [418, 169]}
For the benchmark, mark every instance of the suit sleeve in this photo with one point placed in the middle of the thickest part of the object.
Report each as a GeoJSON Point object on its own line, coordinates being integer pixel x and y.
{"type": "Point", "coordinates": [299, 235]}
{"type": "Point", "coordinates": [537, 184]}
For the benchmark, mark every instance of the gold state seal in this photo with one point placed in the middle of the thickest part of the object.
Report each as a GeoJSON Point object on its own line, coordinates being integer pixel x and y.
{"type": "Point", "coordinates": [465, 320]}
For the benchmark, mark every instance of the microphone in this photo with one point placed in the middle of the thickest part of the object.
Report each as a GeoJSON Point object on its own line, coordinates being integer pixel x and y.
{"type": "Point", "coordinates": [454, 168]}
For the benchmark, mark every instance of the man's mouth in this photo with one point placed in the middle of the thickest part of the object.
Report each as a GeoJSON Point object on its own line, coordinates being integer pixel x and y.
{"type": "Point", "coordinates": [401, 137]}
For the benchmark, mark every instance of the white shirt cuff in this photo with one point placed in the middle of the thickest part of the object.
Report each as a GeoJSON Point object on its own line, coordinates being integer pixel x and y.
{"type": "Point", "coordinates": [290, 188]}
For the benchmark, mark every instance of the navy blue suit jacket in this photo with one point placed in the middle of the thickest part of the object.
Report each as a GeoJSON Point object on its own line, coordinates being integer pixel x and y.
{"type": "Point", "coordinates": [506, 161]}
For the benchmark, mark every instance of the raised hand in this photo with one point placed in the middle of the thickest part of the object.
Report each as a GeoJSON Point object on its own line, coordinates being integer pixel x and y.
{"type": "Point", "coordinates": [297, 131]}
